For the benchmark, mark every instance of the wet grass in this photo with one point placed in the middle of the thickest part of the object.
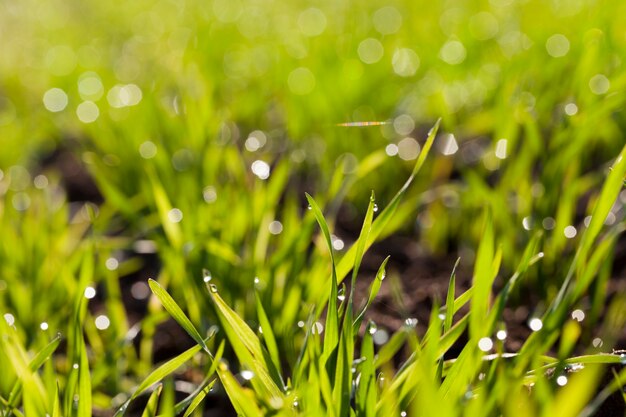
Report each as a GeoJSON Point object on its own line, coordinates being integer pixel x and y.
{"type": "Point", "coordinates": [246, 157]}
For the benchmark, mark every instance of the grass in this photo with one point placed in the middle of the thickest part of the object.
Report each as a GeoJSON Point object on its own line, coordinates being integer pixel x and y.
{"type": "Point", "coordinates": [221, 141]}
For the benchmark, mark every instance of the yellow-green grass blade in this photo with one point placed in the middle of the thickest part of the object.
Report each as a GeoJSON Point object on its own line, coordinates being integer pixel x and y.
{"type": "Point", "coordinates": [347, 262]}
{"type": "Point", "coordinates": [177, 313]}
{"type": "Point", "coordinates": [158, 374]}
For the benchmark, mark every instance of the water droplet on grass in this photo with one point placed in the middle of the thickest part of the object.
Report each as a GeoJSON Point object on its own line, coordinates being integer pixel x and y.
{"type": "Point", "coordinates": [372, 328]}
{"type": "Point", "coordinates": [578, 315]}
{"type": "Point", "coordinates": [206, 275]}
{"type": "Point", "coordinates": [43, 326]}
{"type": "Point", "coordinates": [341, 293]}
{"type": "Point", "coordinates": [501, 334]}
{"type": "Point", "coordinates": [597, 342]}
{"type": "Point", "coordinates": [375, 208]}
{"type": "Point", "coordinates": [247, 374]}
{"type": "Point", "coordinates": [9, 318]}
{"type": "Point", "coordinates": [213, 288]}
{"type": "Point", "coordinates": [317, 328]}
{"type": "Point", "coordinates": [535, 324]}
{"type": "Point", "coordinates": [411, 322]}
{"type": "Point", "coordinates": [485, 344]}
{"type": "Point", "coordinates": [561, 380]}
{"type": "Point", "coordinates": [90, 292]}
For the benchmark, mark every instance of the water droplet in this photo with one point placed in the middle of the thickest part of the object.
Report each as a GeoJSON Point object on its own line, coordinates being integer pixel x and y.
{"type": "Point", "coordinates": [485, 344]}
{"type": "Point", "coordinates": [341, 293]}
{"type": "Point", "coordinates": [9, 318]}
{"type": "Point", "coordinates": [501, 334]}
{"type": "Point", "coordinates": [301, 324]}
{"type": "Point", "coordinates": [578, 315]}
{"type": "Point", "coordinates": [561, 380]}
{"type": "Point", "coordinates": [43, 326]}
{"type": "Point", "coordinates": [75, 366]}
{"type": "Point", "coordinates": [317, 328]}
{"type": "Point", "coordinates": [206, 275]}
{"type": "Point", "coordinates": [402, 413]}
{"type": "Point", "coordinates": [309, 207]}
{"type": "Point", "coordinates": [213, 288]}
{"type": "Point", "coordinates": [375, 208]}
{"type": "Point", "coordinates": [597, 342]}
{"type": "Point", "coordinates": [90, 292]}
{"type": "Point", "coordinates": [295, 402]}
{"type": "Point", "coordinates": [102, 322]}
{"type": "Point", "coordinates": [247, 374]}
{"type": "Point", "coordinates": [411, 322]}
{"type": "Point", "coordinates": [535, 324]}
{"type": "Point", "coordinates": [372, 328]}
{"type": "Point", "coordinates": [381, 337]}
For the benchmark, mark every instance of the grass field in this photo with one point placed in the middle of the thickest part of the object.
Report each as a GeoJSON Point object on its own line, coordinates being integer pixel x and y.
{"type": "Point", "coordinates": [202, 205]}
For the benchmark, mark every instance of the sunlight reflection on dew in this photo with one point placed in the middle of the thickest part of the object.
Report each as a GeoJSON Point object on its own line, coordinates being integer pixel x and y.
{"type": "Point", "coordinates": [312, 22]}
{"type": "Point", "coordinates": [338, 244]}
{"type": "Point", "coordinates": [112, 264]}
{"type": "Point", "coordinates": [405, 62]}
{"type": "Point", "coordinates": [247, 374]}
{"type": "Point", "coordinates": [102, 322]}
{"type": "Point", "coordinates": [147, 150]}
{"type": "Point", "coordinates": [501, 335]}
{"type": "Point", "coordinates": [453, 52]}
{"type": "Point", "coordinates": [391, 149]}
{"type": "Point", "coordinates": [408, 149]}
{"type": "Point", "coordinates": [43, 326]}
{"type": "Point", "coordinates": [535, 324]}
{"type": "Point", "coordinates": [447, 144]}
{"type": "Point", "coordinates": [370, 51]}
{"type": "Point", "coordinates": [140, 290]}
{"type": "Point", "coordinates": [175, 215]}
{"type": "Point", "coordinates": [90, 292]}
{"type": "Point", "coordinates": [597, 342]}
{"type": "Point", "coordinates": [578, 315]}
{"type": "Point", "coordinates": [570, 232]}
{"type": "Point", "coordinates": [485, 344]}
{"type": "Point", "coordinates": [9, 318]}
{"type": "Point", "coordinates": [317, 328]}
{"type": "Point", "coordinates": [501, 149]}
{"type": "Point", "coordinates": [571, 109]}
{"type": "Point", "coordinates": [548, 223]}
{"type": "Point", "coordinates": [55, 100]}
{"type": "Point", "coordinates": [561, 380]}
{"type": "Point", "coordinates": [261, 169]}
{"type": "Point", "coordinates": [380, 337]}
{"type": "Point", "coordinates": [557, 45]}
{"type": "Point", "coordinates": [599, 84]}
{"type": "Point", "coordinates": [209, 194]}
{"type": "Point", "coordinates": [275, 227]}
{"type": "Point", "coordinates": [87, 112]}
{"type": "Point", "coordinates": [527, 222]}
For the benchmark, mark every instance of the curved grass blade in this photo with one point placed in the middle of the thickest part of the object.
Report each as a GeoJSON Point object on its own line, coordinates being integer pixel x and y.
{"type": "Point", "coordinates": [373, 292]}
{"type": "Point", "coordinates": [177, 313]}
{"type": "Point", "coordinates": [160, 373]}
{"type": "Point", "coordinates": [385, 216]}
{"type": "Point", "coordinates": [331, 338]}
{"type": "Point", "coordinates": [198, 397]}
{"type": "Point", "coordinates": [153, 402]}
{"type": "Point", "coordinates": [268, 333]}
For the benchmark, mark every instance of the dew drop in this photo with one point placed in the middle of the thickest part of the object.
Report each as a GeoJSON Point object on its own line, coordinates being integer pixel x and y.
{"type": "Point", "coordinates": [90, 292]}
{"type": "Point", "coordinates": [597, 342]}
{"type": "Point", "coordinates": [317, 328]}
{"type": "Point", "coordinates": [485, 344]}
{"type": "Point", "coordinates": [411, 322]}
{"type": "Point", "coordinates": [341, 294]}
{"type": "Point", "coordinates": [43, 326]}
{"type": "Point", "coordinates": [578, 315]}
{"type": "Point", "coordinates": [309, 207]}
{"type": "Point", "coordinates": [535, 324]}
{"type": "Point", "coordinates": [375, 208]}
{"type": "Point", "coordinates": [561, 380]}
{"type": "Point", "coordinates": [501, 334]}
{"type": "Point", "coordinates": [247, 374]}
{"type": "Point", "coordinates": [75, 366]}
{"type": "Point", "coordinates": [372, 328]}
{"type": "Point", "coordinates": [206, 275]}
{"type": "Point", "coordinates": [213, 288]}
{"type": "Point", "coordinates": [9, 318]}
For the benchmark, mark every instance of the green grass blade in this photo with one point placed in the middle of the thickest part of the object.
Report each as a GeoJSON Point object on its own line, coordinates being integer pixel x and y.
{"type": "Point", "coordinates": [153, 402]}
{"type": "Point", "coordinates": [160, 373]}
{"type": "Point", "coordinates": [268, 334]}
{"type": "Point", "coordinates": [347, 262]}
{"type": "Point", "coordinates": [373, 292]}
{"type": "Point", "coordinates": [177, 313]}
{"type": "Point", "coordinates": [447, 323]}
{"type": "Point", "coordinates": [84, 384]}
{"type": "Point", "coordinates": [198, 397]}
{"type": "Point", "coordinates": [248, 349]}
{"type": "Point", "coordinates": [331, 338]}
{"type": "Point", "coordinates": [482, 281]}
